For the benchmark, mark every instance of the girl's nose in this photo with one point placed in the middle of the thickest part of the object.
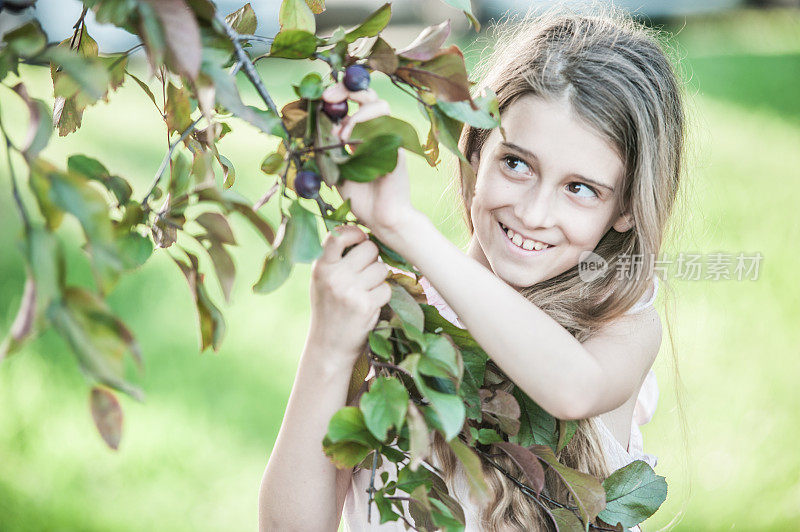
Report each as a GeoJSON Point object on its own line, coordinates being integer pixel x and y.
{"type": "Point", "coordinates": [536, 209]}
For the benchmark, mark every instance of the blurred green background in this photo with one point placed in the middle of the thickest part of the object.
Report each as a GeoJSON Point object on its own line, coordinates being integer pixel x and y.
{"type": "Point", "coordinates": [193, 454]}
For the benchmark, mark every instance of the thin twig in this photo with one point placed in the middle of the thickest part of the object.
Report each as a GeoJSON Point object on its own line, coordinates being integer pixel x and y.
{"type": "Point", "coordinates": [249, 69]}
{"type": "Point", "coordinates": [26, 222]}
{"type": "Point", "coordinates": [371, 489]}
{"type": "Point", "coordinates": [266, 197]}
{"type": "Point", "coordinates": [248, 37]}
{"type": "Point", "coordinates": [329, 146]}
{"type": "Point", "coordinates": [167, 159]}
{"type": "Point", "coordinates": [125, 54]}
{"type": "Point", "coordinates": [410, 93]}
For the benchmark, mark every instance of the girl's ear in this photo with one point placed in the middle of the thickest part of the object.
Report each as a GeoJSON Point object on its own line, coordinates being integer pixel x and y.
{"type": "Point", "coordinates": [623, 223]}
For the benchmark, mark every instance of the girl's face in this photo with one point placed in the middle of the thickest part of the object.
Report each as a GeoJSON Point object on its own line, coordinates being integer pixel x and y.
{"type": "Point", "coordinates": [552, 180]}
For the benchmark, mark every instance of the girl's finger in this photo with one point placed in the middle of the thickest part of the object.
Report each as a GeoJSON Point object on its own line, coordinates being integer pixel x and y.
{"type": "Point", "coordinates": [338, 239]}
{"type": "Point", "coordinates": [364, 113]}
{"type": "Point", "coordinates": [336, 93]}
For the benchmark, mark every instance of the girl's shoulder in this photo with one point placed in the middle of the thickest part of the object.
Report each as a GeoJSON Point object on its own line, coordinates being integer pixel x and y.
{"type": "Point", "coordinates": [647, 299]}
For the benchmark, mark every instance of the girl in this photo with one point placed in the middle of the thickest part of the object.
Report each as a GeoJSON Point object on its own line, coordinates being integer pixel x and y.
{"type": "Point", "coordinates": [589, 160]}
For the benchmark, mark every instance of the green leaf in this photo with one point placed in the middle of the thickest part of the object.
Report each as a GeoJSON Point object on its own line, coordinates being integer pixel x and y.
{"type": "Point", "coordinates": [487, 116]}
{"type": "Point", "coordinates": [633, 493]}
{"type": "Point", "coordinates": [588, 493]}
{"type": "Point", "coordinates": [94, 170]}
{"type": "Point", "coordinates": [296, 15]}
{"type": "Point", "coordinates": [441, 354]}
{"type": "Point", "coordinates": [310, 87]}
{"type": "Point", "coordinates": [345, 454]}
{"type": "Point", "coordinates": [449, 408]}
{"type": "Point", "coordinates": [212, 323]}
{"type": "Point", "coordinates": [380, 346]}
{"type": "Point", "coordinates": [375, 157]}
{"type": "Point", "coordinates": [180, 178]}
{"type": "Point", "coordinates": [384, 406]}
{"type": "Point", "coordinates": [272, 163]}
{"type": "Point", "coordinates": [389, 125]}
{"type": "Point", "coordinates": [293, 44]}
{"type": "Point", "coordinates": [488, 436]}
{"type": "Point", "coordinates": [472, 467]}
{"type": "Point", "coordinates": [98, 339]}
{"type": "Point", "coordinates": [566, 430]}
{"type": "Point", "coordinates": [243, 20]}
{"type": "Point", "coordinates": [228, 96]}
{"type": "Point", "coordinates": [347, 424]}
{"type": "Point", "coordinates": [405, 306]}
{"type": "Point", "coordinates": [418, 435]}
{"type": "Point", "coordinates": [228, 171]}
{"type": "Point", "coordinates": [302, 236]}
{"type": "Point", "coordinates": [536, 425]}
{"type": "Point", "coordinates": [179, 109]}
{"type": "Point", "coordinates": [372, 25]}
{"type": "Point", "coordinates": [277, 268]}
{"type": "Point", "coordinates": [217, 226]}
{"type": "Point", "coordinates": [446, 130]}
{"type": "Point", "coordinates": [26, 40]}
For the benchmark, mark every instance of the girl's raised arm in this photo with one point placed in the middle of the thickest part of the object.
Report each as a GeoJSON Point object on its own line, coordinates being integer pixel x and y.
{"type": "Point", "coordinates": [301, 489]}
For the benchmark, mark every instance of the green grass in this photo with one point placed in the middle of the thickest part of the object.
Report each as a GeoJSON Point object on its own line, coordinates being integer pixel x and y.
{"type": "Point", "coordinates": [193, 454]}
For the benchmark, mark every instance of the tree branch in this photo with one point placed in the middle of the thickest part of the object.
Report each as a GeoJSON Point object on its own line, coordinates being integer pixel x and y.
{"type": "Point", "coordinates": [248, 67]}
{"type": "Point", "coordinates": [165, 161]}
{"type": "Point", "coordinates": [26, 221]}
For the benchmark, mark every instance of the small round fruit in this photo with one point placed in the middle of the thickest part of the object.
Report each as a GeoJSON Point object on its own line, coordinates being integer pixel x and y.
{"type": "Point", "coordinates": [306, 183]}
{"type": "Point", "coordinates": [335, 110]}
{"type": "Point", "coordinates": [356, 77]}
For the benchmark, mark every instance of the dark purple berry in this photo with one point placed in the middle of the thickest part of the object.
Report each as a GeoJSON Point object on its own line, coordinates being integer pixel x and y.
{"type": "Point", "coordinates": [306, 183]}
{"type": "Point", "coordinates": [356, 77]}
{"type": "Point", "coordinates": [335, 110]}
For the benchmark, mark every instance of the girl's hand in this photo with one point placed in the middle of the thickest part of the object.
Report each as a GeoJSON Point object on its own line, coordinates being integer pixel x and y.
{"type": "Point", "coordinates": [347, 294]}
{"type": "Point", "coordinates": [383, 204]}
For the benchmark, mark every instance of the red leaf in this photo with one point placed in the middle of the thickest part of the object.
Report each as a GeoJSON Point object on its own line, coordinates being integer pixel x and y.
{"type": "Point", "coordinates": [181, 35]}
{"type": "Point", "coordinates": [23, 323]}
{"type": "Point", "coordinates": [527, 462]}
{"type": "Point", "coordinates": [427, 43]}
{"type": "Point", "coordinates": [107, 416]}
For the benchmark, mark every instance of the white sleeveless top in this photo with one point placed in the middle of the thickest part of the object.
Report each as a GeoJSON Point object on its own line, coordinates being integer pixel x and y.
{"type": "Point", "coordinates": [354, 512]}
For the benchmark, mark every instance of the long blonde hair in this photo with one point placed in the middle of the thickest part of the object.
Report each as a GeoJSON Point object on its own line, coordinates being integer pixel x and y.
{"type": "Point", "coordinates": [617, 76]}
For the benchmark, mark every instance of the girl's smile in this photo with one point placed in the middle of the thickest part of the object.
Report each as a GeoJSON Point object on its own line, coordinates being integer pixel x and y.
{"type": "Point", "coordinates": [544, 193]}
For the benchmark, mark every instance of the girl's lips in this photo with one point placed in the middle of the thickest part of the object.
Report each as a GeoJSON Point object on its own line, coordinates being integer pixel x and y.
{"type": "Point", "coordinates": [518, 250]}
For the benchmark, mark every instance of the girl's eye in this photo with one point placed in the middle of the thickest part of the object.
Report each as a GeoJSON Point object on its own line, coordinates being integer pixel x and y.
{"type": "Point", "coordinates": [515, 164]}
{"type": "Point", "coordinates": [592, 193]}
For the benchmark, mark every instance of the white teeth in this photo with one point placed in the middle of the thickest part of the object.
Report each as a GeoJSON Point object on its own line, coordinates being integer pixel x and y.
{"type": "Point", "coordinates": [525, 243]}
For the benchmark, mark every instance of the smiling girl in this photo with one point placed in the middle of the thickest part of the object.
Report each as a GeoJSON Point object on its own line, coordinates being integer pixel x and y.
{"type": "Point", "coordinates": [588, 160]}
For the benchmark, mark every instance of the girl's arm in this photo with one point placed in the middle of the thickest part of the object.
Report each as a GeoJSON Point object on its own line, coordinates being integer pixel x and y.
{"type": "Point", "coordinates": [301, 489]}
{"type": "Point", "coordinates": [568, 379]}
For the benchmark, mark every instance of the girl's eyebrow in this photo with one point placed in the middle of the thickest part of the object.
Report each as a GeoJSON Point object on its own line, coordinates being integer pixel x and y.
{"type": "Point", "coordinates": [532, 155]}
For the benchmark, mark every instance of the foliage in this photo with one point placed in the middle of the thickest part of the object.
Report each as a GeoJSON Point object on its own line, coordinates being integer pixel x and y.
{"type": "Point", "coordinates": [430, 374]}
